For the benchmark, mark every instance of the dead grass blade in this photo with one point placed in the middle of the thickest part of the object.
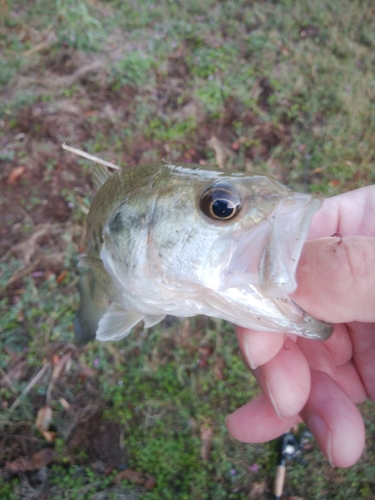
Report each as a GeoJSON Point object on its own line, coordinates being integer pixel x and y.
{"type": "Point", "coordinates": [222, 153]}
{"type": "Point", "coordinates": [27, 248]}
{"type": "Point", "coordinates": [43, 421]}
{"type": "Point", "coordinates": [31, 384]}
{"type": "Point", "coordinates": [57, 369]}
{"type": "Point", "coordinates": [7, 381]}
{"type": "Point", "coordinates": [51, 81]}
{"type": "Point", "coordinates": [34, 462]}
{"type": "Point", "coordinates": [45, 44]}
{"type": "Point", "coordinates": [4, 11]}
{"type": "Point", "coordinates": [207, 434]}
{"type": "Point", "coordinates": [90, 157]}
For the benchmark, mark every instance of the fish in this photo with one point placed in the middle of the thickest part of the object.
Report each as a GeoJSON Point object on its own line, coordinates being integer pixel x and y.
{"type": "Point", "coordinates": [182, 239]}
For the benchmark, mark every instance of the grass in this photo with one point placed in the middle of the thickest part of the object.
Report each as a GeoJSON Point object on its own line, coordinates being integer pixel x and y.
{"type": "Point", "coordinates": [287, 89]}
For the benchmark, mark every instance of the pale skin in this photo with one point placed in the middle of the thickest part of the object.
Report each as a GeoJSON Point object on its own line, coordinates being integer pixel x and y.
{"type": "Point", "coordinates": [320, 383]}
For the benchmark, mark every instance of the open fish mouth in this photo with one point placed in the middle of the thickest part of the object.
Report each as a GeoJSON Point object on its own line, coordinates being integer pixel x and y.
{"type": "Point", "coordinates": [262, 261]}
{"type": "Point", "coordinates": [267, 255]}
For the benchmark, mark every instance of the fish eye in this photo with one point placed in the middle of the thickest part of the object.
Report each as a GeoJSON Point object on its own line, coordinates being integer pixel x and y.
{"type": "Point", "coordinates": [220, 201]}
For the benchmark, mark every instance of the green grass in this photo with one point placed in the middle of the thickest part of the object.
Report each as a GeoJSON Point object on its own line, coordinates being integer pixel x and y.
{"type": "Point", "coordinates": [287, 87]}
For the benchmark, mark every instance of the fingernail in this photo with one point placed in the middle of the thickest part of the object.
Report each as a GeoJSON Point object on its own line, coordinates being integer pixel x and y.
{"type": "Point", "coordinates": [272, 399]}
{"type": "Point", "coordinates": [248, 352]}
{"type": "Point", "coordinates": [322, 434]}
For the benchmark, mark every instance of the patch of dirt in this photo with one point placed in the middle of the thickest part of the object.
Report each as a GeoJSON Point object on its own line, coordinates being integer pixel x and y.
{"type": "Point", "coordinates": [39, 195]}
{"type": "Point", "coordinates": [89, 439]}
{"type": "Point", "coordinates": [101, 440]}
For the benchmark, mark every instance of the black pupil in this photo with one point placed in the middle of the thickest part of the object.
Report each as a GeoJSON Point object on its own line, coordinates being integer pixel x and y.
{"type": "Point", "coordinates": [222, 208]}
{"type": "Point", "coordinates": [220, 201]}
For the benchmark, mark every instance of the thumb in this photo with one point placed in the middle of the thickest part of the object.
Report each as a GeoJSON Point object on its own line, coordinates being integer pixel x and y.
{"type": "Point", "coordinates": [336, 279]}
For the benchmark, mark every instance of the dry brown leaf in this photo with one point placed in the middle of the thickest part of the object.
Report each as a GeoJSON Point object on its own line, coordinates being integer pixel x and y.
{"type": "Point", "coordinates": [49, 435]}
{"type": "Point", "coordinates": [150, 482]}
{"type": "Point", "coordinates": [206, 440]}
{"type": "Point", "coordinates": [42, 457]}
{"type": "Point", "coordinates": [36, 461]}
{"type": "Point", "coordinates": [21, 464]}
{"type": "Point", "coordinates": [131, 475]}
{"type": "Point", "coordinates": [86, 371]}
{"type": "Point", "coordinates": [14, 174]}
{"type": "Point", "coordinates": [294, 498]}
{"type": "Point", "coordinates": [90, 113]}
{"type": "Point", "coordinates": [257, 489]}
{"type": "Point", "coordinates": [61, 276]}
{"type": "Point", "coordinates": [43, 418]}
{"type": "Point", "coordinates": [318, 170]}
{"type": "Point", "coordinates": [64, 403]}
{"type": "Point", "coordinates": [141, 478]}
{"type": "Point", "coordinates": [60, 363]}
{"type": "Point", "coordinates": [219, 368]}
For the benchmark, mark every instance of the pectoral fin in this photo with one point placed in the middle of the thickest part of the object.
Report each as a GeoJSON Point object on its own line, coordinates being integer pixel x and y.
{"type": "Point", "coordinates": [93, 304]}
{"type": "Point", "coordinates": [117, 323]}
{"type": "Point", "coordinates": [151, 320]}
{"type": "Point", "coordinates": [100, 175]}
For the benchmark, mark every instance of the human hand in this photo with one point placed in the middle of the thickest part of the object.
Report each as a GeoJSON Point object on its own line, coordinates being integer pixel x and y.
{"type": "Point", "coordinates": [321, 383]}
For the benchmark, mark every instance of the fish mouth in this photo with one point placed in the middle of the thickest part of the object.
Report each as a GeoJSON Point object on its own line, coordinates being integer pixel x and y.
{"type": "Point", "coordinates": [267, 255]}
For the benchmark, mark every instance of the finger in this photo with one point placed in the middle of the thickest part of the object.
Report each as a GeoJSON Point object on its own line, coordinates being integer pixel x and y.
{"type": "Point", "coordinates": [348, 378]}
{"type": "Point", "coordinates": [340, 344]}
{"type": "Point", "coordinates": [336, 279]}
{"type": "Point", "coordinates": [257, 422]}
{"type": "Point", "coordinates": [285, 379]}
{"type": "Point", "coordinates": [258, 347]}
{"type": "Point", "coordinates": [346, 214]}
{"type": "Point", "coordinates": [363, 337]}
{"type": "Point", "coordinates": [318, 356]}
{"type": "Point", "coordinates": [334, 421]}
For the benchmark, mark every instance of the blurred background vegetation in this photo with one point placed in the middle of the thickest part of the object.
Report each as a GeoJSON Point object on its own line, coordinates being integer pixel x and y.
{"type": "Point", "coordinates": [285, 88]}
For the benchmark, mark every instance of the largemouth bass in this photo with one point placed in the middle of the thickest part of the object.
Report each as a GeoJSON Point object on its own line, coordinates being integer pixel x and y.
{"type": "Point", "coordinates": [185, 239]}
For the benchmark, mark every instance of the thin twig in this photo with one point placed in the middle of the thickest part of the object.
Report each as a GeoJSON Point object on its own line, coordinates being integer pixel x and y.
{"type": "Point", "coordinates": [49, 38]}
{"type": "Point", "coordinates": [15, 424]}
{"type": "Point", "coordinates": [31, 384]}
{"type": "Point", "coordinates": [19, 274]}
{"type": "Point", "coordinates": [90, 157]}
{"type": "Point", "coordinates": [59, 366]}
{"type": "Point", "coordinates": [7, 379]}
{"type": "Point", "coordinates": [121, 438]}
{"type": "Point", "coordinates": [37, 48]}
{"type": "Point", "coordinates": [26, 438]}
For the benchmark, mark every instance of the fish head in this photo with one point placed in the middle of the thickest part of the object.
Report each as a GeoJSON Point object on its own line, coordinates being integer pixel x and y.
{"type": "Point", "coordinates": [188, 229]}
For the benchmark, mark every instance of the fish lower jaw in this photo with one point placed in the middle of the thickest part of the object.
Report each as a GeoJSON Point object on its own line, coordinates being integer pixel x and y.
{"type": "Point", "coordinates": [280, 315]}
